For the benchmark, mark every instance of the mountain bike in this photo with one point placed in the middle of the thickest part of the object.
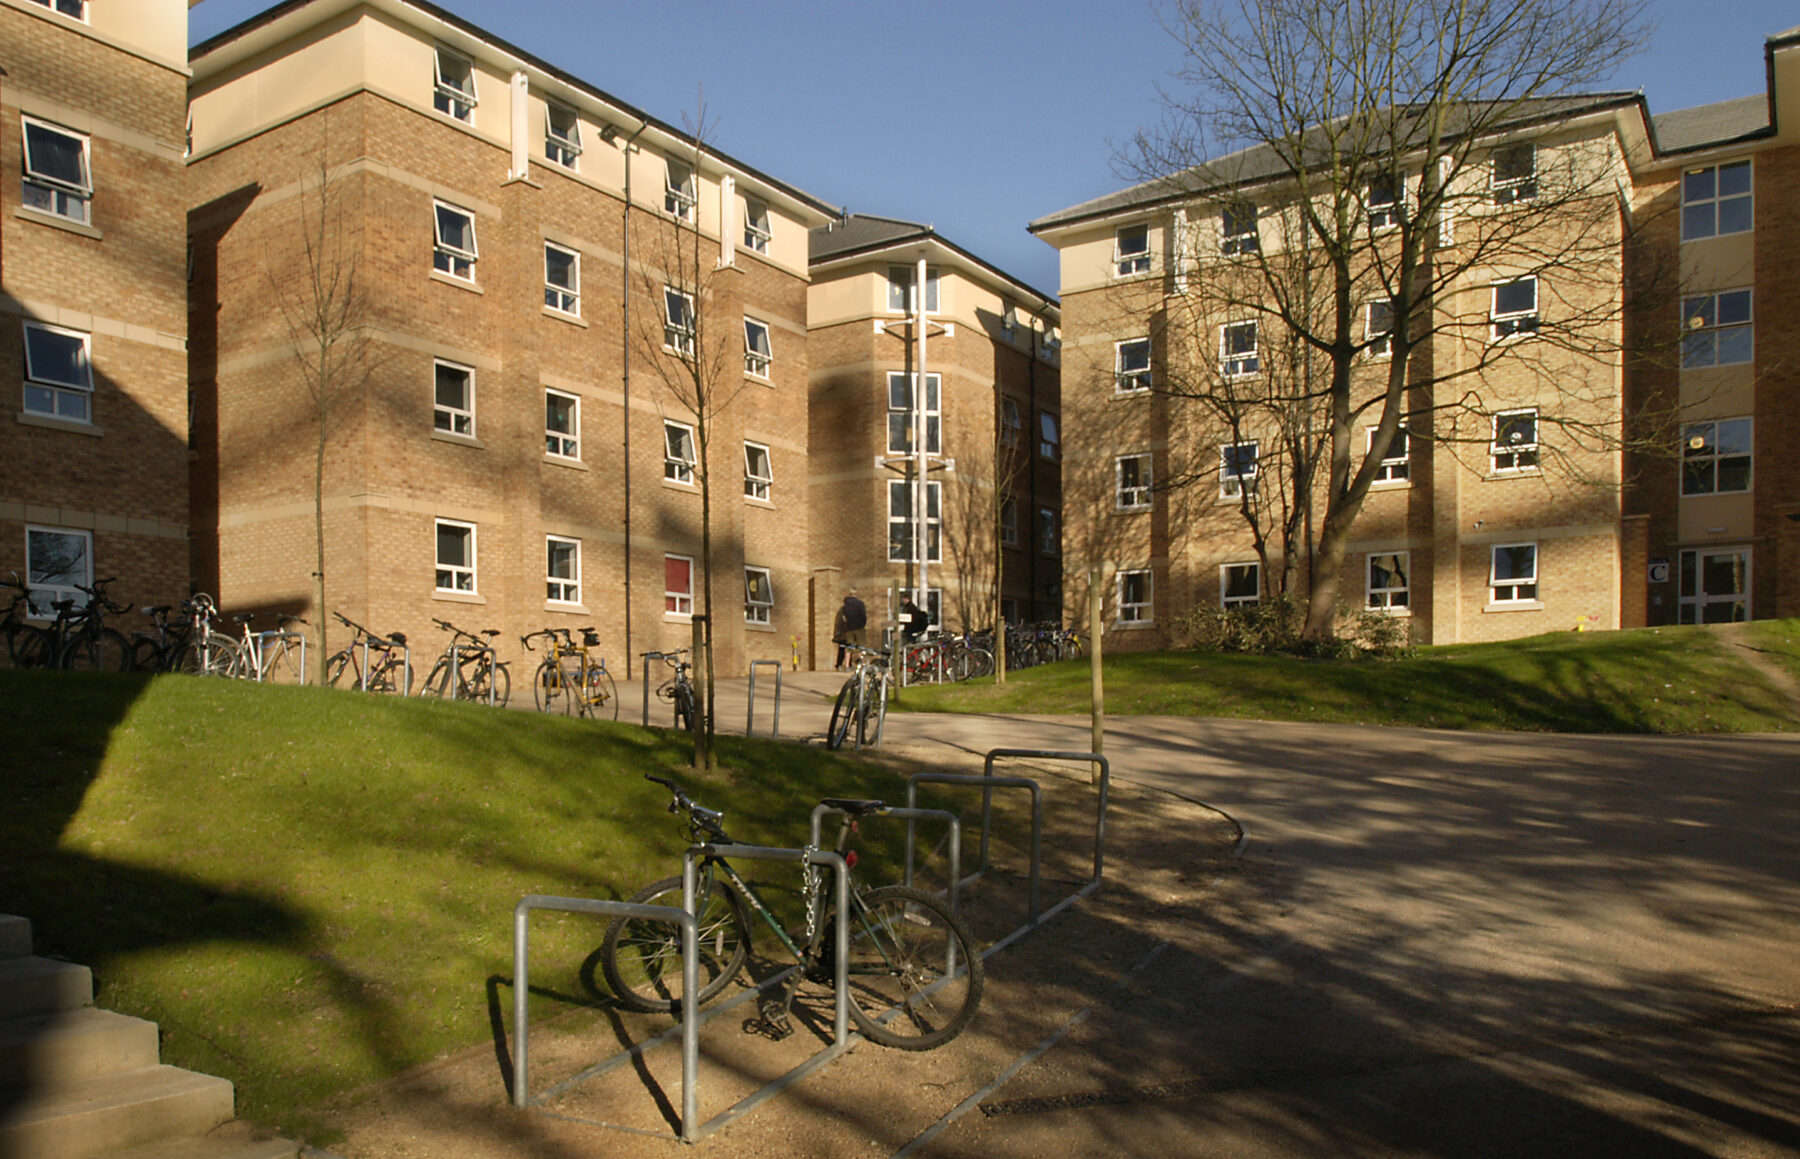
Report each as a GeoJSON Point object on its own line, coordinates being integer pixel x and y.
{"type": "Point", "coordinates": [571, 679]}
{"type": "Point", "coordinates": [477, 674]}
{"type": "Point", "coordinates": [860, 712]}
{"type": "Point", "coordinates": [914, 974]}
{"type": "Point", "coordinates": [83, 641]}
{"type": "Point", "coordinates": [206, 651]}
{"type": "Point", "coordinates": [27, 645]}
{"type": "Point", "coordinates": [678, 690]}
{"type": "Point", "coordinates": [372, 663]}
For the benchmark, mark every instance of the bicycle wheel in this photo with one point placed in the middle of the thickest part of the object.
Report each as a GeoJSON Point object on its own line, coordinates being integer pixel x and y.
{"type": "Point", "coordinates": [146, 655]}
{"type": "Point", "coordinates": [874, 711]}
{"type": "Point", "coordinates": [547, 688]}
{"type": "Point", "coordinates": [437, 681]}
{"type": "Point", "coordinates": [282, 663]}
{"type": "Point", "coordinates": [602, 694]}
{"type": "Point", "coordinates": [684, 708]}
{"type": "Point", "coordinates": [391, 674]}
{"type": "Point", "coordinates": [215, 656]}
{"type": "Point", "coordinates": [337, 666]}
{"type": "Point", "coordinates": [641, 958]}
{"type": "Point", "coordinates": [842, 712]}
{"type": "Point", "coordinates": [30, 647]}
{"type": "Point", "coordinates": [914, 973]}
{"type": "Point", "coordinates": [102, 651]}
{"type": "Point", "coordinates": [476, 687]}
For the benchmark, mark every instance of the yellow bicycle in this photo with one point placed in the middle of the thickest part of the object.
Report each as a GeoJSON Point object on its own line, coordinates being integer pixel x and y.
{"type": "Point", "coordinates": [572, 679]}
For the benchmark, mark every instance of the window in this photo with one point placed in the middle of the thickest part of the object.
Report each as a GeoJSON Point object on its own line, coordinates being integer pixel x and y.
{"type": "Point", "coordinates": [1514, 175]}
{"type": "Point", "coordinates": [1049, 535]}
{"type": "Point", "coordinates": [757, 353]}
{"type": "Point", "coordinates": [1134, 480]}
{"type": "Point", "coordinates": [678, 322]}
{"type": "Point", "coordinates": [1237, 229]}
{"type": "Point", "coordinates": [902, 527]}
{"type": "Point", "coordinates": [1515, 308]}
{"type": "Point", "coordinates": [900, 290]}
{"type": "Point", "coordinates": [1009, 610]}
{"type": "Point", "coordinates": [58, 563]}
{"type": "Point", "coordinates": [1009, 521]}
{"type": "Point", "coordinates": [678, 452]}
{"type": "Point", "coordinates": [901, 417]}
{"type": "Point", "coordinates": [453, 409]}
{"type": "Point", "coordinates": [757, 233]}
{"type": "Point", "coordinates": [455, 90]}
{"type": "Point", "coordinates": [562, 135]}
{"type": "Point", "coordinates": [1715, 457]}
{"type": "Point", "coordinates": [456, 249]}
{"type": "Point", "coordinates": [1387, 580]}
{"type": "Point", "coordinates": [1715, 586]}
{"type": "Point", "coordinates": [1716, 330]}
{"type": "Point", "coordinates": [1514, 578]}
{"type": "Point", "coordinates": [1240, 585]}
{"type": "Point", "coordinates": [1396, 465]}
{"type": "Point", "coordinates": [562, 279]}
{"type": "Point", "coordinates": [1009, 320]}
{"type": "Point", "coordinates": [1134, 591]}
{"type": "Point", "coordinates": [1515, 445]}
{"type": "Point", "coordinates": [1131, 366]}
{"type": "Point", "coordinates": [678, 585]}
{"type": "Point", "coordinates": [1237, 469]}
{"type": "Point", "coordinates": [1049, 437]}
{"type": "Point", "coordinates": [1383, 203]}
{"type": "Point", "coordinates": [1131, 250]}
{"type": "Point", "coordinates": [59, 374]}
{"type": "Point", "coordinates": [759, 595]}
{"type": "Point", "coordinates": [455, 556]}
{"type": "Point", "coordinates": [759, 476]}
{"type": "Point", "coordinates": [1378, 328]}
{"type": "Point", "coordinates": [679, 189]}
{"type": "Point", "coordinates": [75, 8]}
{"type": "Point", "coordinates": [1012, 422]}
{"type": "Point", "coordinates": [562, 425]}
{"type": "Point", "coordinates": [57, 178]}
{"type": "Point", "coordinates": [1237, 349]}
{"type": "Point", "coordinates": [1716, 200]}
{"type": "Point", "coordinates": [563, 570]}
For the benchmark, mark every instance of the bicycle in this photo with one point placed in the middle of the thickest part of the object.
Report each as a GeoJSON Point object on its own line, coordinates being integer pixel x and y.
{"type": "Point", "coordinates": [373, 663]}
{"type": "Point", "coordinates": [678, 689]}
{"type": "Point", "coordinates": [82, 640]}
{"type": "Point", "coordinates": [914, 974]}
{"type": "Point", "coordinates": [205, 652]}
{"type": "Point", "coordinates": [862, 702]}
{"type": "Point", "coordinates": [570, 677]}
{"type": "Point", "coordinates": [277, 657]}
{"type": "Point", "coordinates": [155, 650]}
{"type": "Point", "coordinates": [27, 645]}
{"type": "Point", "coordinates": [477, 674]}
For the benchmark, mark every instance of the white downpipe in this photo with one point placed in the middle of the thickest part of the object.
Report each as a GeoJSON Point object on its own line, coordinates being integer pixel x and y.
{"type": "Point", "coordinates": [920, 511]}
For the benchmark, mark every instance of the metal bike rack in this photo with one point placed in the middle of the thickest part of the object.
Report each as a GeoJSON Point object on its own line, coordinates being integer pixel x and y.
{"type": "Point", "coordinates": [1037, 819]}
{"type": "Point", "coordinates": [908, 651]}
{"type": "Point", "coordinates": [458, 651]}
{"type": "Point", "coordinates": [644, 667]}
{"type": "Point", "coordinates": [264, 639]}
{"type": "Point", "coordinates": [405, 665]}
{"type": "Point", "coordinates": [750, 713]}
{"type": "Point", "coordinates": [910, 815]}
{"type": "Point", "coordinates": [1097, 760]}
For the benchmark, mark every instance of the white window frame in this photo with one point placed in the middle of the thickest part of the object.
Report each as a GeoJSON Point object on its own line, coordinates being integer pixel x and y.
{"type": "Point", "coordinates": [564, 298]}
{"type": "Point", "coordinates": [1012, 421]}
{"type": "Point", "coordinates": [459, 578]}
{"type": "Point", "coordinates": [450, 258]}
{"type": "Point", "coordinates": [447, 97]}
{"type": "Point", "coordinates": [1378, 343]}
{"type": "Point", "coordinates": [1700, 443]}
{"type": "Point", "coordinates": [1713, 201]}
{"type": "Point", "coordinates": [1517, 455]}
{"type": "Point", "coordinates": [1049, 436]}
{"type": "Point", "coordinates": [900, 521]}
{"type": "Point", "coordinates": [1692, 603]}
{"type": "Point", "coordinates": [1133, 260]}
{"type": "Point", "coordinates": [563, 444]}
{"type": "Point", "coordinates": [1136, 495]}
{"type": "Point", "coordinates": [758, 484]}
{"type": "Point", "coordinates": [758, 356]}
{"type": "Point", "coordinates": [47, 193]}
{"type": "Point", "coordinates": [1388, 597]}
{"type": "Point", "coordinates": [900, 434]}
{"type": "Point", "coordinates": [680, 196]}
{"type": "Point", "coordinates": [1521, 183]}
{"type": "Point", "coordinates": [678, 332]}
{"type": "Point", "coordinates": [758, 611]}
{"type": "Point", "coordinates": [71, 400]}
{"type": "Point", "coordinates": [1009, 521]}
{"type": "Point", "coordinates": [1514, 322]}
{"type": "Point", "coordinates": [1135, 611]}
{"type": "Point", "coordinates": [562, 589]}
{"type": "Point", "coordinates": [63, 7]}
{"type": "Point", "coordinates": [562, 148]}
{"type": "Point", "coordinates": [1232, 472]}
{"type": "Point", "coordinates": [1049, 532]}
{"type": "Point", "coordinates": [1248, 238]}
{"type": "Point", "coordinates": [1396, 465]}
{"type": "Point", "coordinates": [759, 230]}
{"type": "Point", "coordinates": [449, 418]}
{"type": "Point", "coordinates": [678, 602]}
{"type": "Point", "coordinates": [1229, 601]}
{"type": "Point", "coordinates": [678, 453]}
{"type": "Point", "coordinates": [62, 585]}
{"type": "Point", "coordinates": [1239, 363]}
{"type": "Point", "coordinates": [1382, 203]}
{"type": "Point", "coordinates": [1718, 329]}
{"type": "Point", "coordinates": [1514, 589]}
{"type": "Point", "coordinates": [1131, 366]}
{"type": "Point", "coordinates": [900, 290]}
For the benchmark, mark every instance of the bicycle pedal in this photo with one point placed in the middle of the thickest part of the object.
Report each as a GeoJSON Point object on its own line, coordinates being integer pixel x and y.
{"type": "Point", "coordinates": [770, 1028]}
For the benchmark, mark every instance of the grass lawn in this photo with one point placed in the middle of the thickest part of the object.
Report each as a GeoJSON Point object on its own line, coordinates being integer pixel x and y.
{"type": "Point", "coordinates": [311, 890]}
{"type": "Point", "coordinates": [1651, 680]}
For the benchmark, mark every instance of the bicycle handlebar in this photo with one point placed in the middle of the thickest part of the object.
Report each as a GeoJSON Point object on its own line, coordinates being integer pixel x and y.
{"type": "Point", "coordinates": [700, 818]}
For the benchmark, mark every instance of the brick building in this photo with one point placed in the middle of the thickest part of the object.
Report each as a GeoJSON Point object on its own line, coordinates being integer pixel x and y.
{"type": "Point", "coordinates": [543, 268]}
{"type": "Point", "coordinates": [990, 434]}
{"type": "Point", "coordinates": [93, 463]}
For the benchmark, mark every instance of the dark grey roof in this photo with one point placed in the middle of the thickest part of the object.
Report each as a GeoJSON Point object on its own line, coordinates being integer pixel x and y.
{"type": "Point", "coordinates": [860, 233]}
{"type": "Point", "coordinates": [1716, 124]}
{"type": "Point", "coordinates": [1264, 162]}
{"type": "Point", "coordinates": [1791, 34]}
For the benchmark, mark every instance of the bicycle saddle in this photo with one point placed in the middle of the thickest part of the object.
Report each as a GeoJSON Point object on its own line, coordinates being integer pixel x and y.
{"type": "Point", "coordinates": [398, 638]}
{"type": "Point", "coordinates": [855, 807]}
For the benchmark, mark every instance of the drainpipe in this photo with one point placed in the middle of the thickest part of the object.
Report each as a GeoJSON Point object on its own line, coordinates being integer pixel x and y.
{"type": "Point", "coordinates": [922, 535]}
{"type": "Point", "coordinates": [625, 306]}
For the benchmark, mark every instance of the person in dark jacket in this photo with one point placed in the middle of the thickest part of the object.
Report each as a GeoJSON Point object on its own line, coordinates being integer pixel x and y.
{"type": "Point", "coordinates": [847, 628]}
{"type": "Point", "coordinates": [914, 620]}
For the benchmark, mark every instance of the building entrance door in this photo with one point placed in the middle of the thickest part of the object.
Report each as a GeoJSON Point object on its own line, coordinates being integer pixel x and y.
{"type": "Point", "coordinates": [1715, 585]}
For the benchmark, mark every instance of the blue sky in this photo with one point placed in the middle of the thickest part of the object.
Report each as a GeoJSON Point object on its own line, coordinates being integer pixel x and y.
{"type": "Point", "coordinates": [976, 117]}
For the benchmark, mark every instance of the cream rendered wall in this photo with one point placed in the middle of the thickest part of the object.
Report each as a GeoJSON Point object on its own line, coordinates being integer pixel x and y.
{"type": "Point", "coordinates": [278, 85]}
{"type": "Point", "coordinates": [842, 297]}
{"type": "Point", "coordinates": [153, 29]}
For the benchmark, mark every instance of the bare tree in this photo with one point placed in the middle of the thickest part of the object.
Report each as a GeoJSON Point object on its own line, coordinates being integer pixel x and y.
{"type": "Point", "coordinates": [1370, 222]}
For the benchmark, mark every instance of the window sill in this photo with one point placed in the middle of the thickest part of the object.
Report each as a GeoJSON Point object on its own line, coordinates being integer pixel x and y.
{"type": "Point", "coordinates": [1390, 484]}
{"type": "Point", "coordinates": [674, 485]}
{"type": "Point", "coordinates": [459, 440]}
{"type": "Point", "coordinates": [1131, 510]}
{"type": "Point", "coordinates": [458, 597]}
{"type": "Point", "coordinates": [1494, 475]}
{"type": "Point", "coordinates": [565, 461]}
{"type": "Point", "coordinates": [1134, 392]}
{"type": "Point", "coordinates": [565, 316]}
{"type": "Point", "coordinates": [467, 284]}
{"type": "Point", "coordinates": [1396, 613]}
{"type": "Point", "coordinates": [758, 379]}
{"type": "Point", "coordinates": [572, 609]}
{"type": "Point", "coordinates": [1716, 236]}
{"type": "Point", "coordinates": [1514, 606]}
{"type": "Point", "coordinates": [1133, 625]}
{"type": "Point", "coordinates": [52, 423]}
{"type": "Point", "coordinates": [678, 617]}
{"type": "Point", "coordinates": [751, 626]}
{"type": "Point", "coordinates": [26, 213]}
{"type": "Point", "coordinates": [765, 504]}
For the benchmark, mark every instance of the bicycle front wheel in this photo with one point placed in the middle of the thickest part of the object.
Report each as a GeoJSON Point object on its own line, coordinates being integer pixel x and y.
{"type": "Point", "coordinates": [30, 647]}
{"type": "Point", "coordinates": [547, 688]}
{"type": "Point", "coordinates": [914, 973]}
{"type": "Point", "coordinates": [843, 713]}
{"type": "Point", "coordinates": [684, 708]}
{"type": "Point", "coordinates": [103, 651]}
{"type": "Point", "coordinates": [215, 656]}
{"type": "Point", "coordinates": [641, 958]}
{"type": "Point", "coordinates": [477, 687]}
{"type": "Point", "coordinates": [437, 681]}
{"type": "Point", "coordinates": [602, 694]}
{"type": "Point", "coordinates": [282, 663]}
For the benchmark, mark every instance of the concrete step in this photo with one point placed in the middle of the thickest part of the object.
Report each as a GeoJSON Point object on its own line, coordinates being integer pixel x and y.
{"type": "Point", "coordinates": [233, 1140]}
{"type": "Point", "coordinates": [15, 937]}
{"type": "Point", "coordinates": [74, 1045]}
{"type": "Point", "coordinates": [30, 987]}
{"type": "Point", "coordinates": [102, 1116]}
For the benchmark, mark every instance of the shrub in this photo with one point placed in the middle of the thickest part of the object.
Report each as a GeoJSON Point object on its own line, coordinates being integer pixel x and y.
{"type": "Point", "coordinates": [1273, 627]}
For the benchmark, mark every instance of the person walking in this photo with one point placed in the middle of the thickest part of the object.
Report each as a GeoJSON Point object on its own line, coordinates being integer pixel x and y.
{"type": "Point", "coordinates": [847, 628]}
{"type": "Point", "coordinates": [914, 620]}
